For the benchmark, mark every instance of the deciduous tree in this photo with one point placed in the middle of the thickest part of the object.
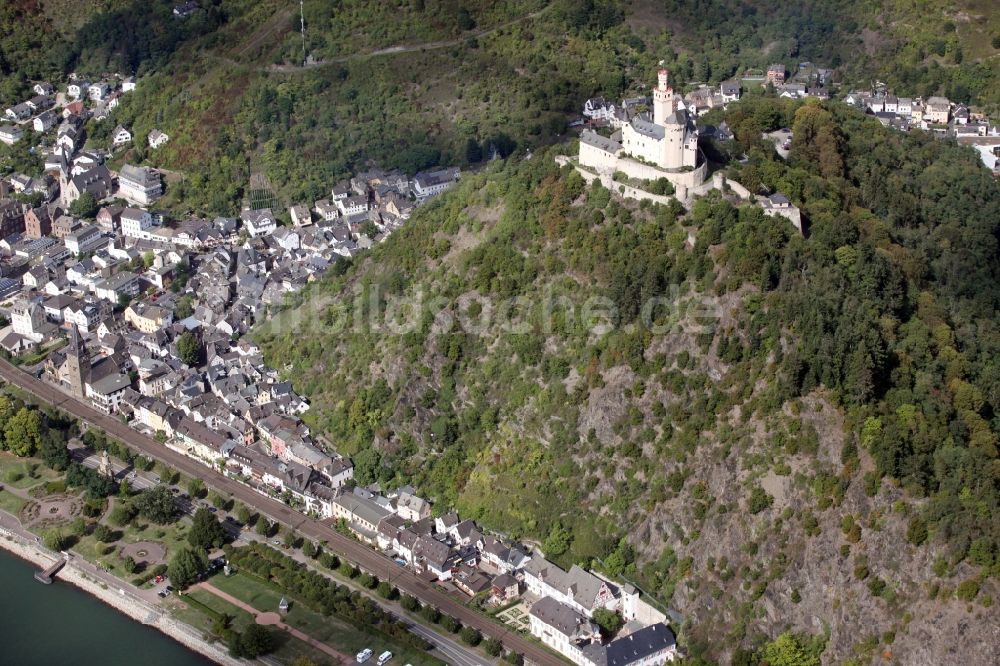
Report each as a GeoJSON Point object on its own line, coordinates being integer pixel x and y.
{"type": "Point", "coordinates": [206, 531]}
{"type": "Point", "coordinates": [185, 567]}
{"type": "Point", "coordinates": [157, 505]}
{"type": "Point", "coordinates": [256, 641]}
{"type": "Point", "coordinates": [189, 348]}
{"type": "Point", "coordinates": [23, 432]}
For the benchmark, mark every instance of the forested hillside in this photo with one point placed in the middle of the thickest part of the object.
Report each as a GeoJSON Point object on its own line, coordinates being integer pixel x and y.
{"type": "Point", "coordinates": [919, 47]}
{"type": "Point", "coordinates": [46, 40]}
{"type": "Point", "coordinates": [417, 83]}
{"type": "Point", "coordinates": [808, 441]}
{"type": "Point", "coordinates": [476, 79]}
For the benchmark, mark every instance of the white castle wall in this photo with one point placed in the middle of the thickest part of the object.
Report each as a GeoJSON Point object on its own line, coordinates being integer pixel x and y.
{"type": "Point", "coordinates": [671, 152]}
{"type": "Point", "coordinates": [687, 184]}
{"type": "Point", "coordinates": [596, 158]}
{"type": "Point", "coordinates": [720, 182]}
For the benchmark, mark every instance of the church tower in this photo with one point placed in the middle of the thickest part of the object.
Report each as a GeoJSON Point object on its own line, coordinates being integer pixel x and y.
{"type": "Point", "coordinates": [663, 99]}
{"type": "Point", "coordinates": [77, 364]}
{"type": "Point", "coordinates": [64, 178]}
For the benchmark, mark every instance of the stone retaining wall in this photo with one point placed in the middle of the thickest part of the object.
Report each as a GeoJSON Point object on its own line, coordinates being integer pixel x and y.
{"type": "Point", "coordinates": [622, 189]}
{"type": "Point", "coordinates": [681, 179]}
{"type": "Point", "coordinates": [630, 192]}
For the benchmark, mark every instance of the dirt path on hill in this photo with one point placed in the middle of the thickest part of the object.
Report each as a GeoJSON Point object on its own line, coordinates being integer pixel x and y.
{"type": "Point", "coordinates": [407, 48]}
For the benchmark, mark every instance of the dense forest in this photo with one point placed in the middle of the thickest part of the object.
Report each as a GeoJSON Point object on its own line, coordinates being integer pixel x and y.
{"type": "Point", "coordinates": [853, 370]}
{"type": "Point", "coordinates": [140, 36]}
{"type": "Point", "coordinates": [47, 41]}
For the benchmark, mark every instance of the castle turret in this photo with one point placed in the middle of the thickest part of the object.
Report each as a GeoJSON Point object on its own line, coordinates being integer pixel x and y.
{"type": "Point", "coordinates": [663, 99]}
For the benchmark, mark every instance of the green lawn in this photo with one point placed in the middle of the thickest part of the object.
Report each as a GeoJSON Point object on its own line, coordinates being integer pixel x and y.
{"type": "Point", "coordinates": [86, 547]}
{"type": "Point", "coordinates": [241, 618]}
{"type": "Point", "coordinates": [38, 356]}
{"type": "Point", "coordinates": [173, 537]}
{"type": "Point", "coordinates": [11, 503]}
{"type": "Point", "coordinates": [12, 467]}
{"type": "Point", "coordinates": [189, 615]}
{"type": "Point", "coordinates": [289, 648]}
{"type": "Point", "coordinates": [259, 595]}
{"type": "Point", "coordinates": [335, 633]}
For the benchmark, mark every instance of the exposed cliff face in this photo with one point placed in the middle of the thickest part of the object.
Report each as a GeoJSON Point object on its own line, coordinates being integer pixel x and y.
{"type": "Point", "coordinates": [766, 573]}
{"type": "Point", "coordinates": [778, 569]}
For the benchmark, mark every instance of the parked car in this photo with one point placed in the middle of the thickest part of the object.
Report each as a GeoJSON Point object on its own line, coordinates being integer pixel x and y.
{"type": "Point", "coordinates": [364, 655]}
{"type": "Point", "coordinates": [384, 658]}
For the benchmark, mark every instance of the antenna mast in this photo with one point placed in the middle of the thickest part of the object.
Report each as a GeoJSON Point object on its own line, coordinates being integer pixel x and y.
{"type": "Point", "coordinates": [302, 18]}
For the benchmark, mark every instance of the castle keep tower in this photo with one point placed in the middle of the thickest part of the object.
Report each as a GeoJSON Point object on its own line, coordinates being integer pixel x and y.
{"type": "Point", "coordinates": [663, 99]}
{"type": "Point", "coordinates": [664, 146]}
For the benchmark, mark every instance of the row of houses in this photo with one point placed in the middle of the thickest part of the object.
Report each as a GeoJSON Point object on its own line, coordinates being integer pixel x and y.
{"type": "Point", "coordinates": [916, 111]}
{"type": "Point", "coordinates": [386, 199]}
{"type": "Point", "coordinates": [579, 639]}
{"type": "Point", "coordinates": [232, 412]}
{"type": "Point", "coordinates": [80, 87]}
{"type": "Point", "coordinates": [935, 114]}
{"type": "Point", "coordinates": [42, 100]}
{"type": "Point", "coordinates": [39, 110]}
{"type": "Point", "coordinates": [562, 603]}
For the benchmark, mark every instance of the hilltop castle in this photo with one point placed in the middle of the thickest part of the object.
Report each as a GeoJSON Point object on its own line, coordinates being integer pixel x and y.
{"type": "Point", "coordinates": [667, 147]}
{"type": "Point", "coordinates": [671, 140]}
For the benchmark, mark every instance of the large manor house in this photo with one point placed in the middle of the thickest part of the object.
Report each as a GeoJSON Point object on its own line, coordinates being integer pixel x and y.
{"type": "Point", "coordinates": [666, 147]}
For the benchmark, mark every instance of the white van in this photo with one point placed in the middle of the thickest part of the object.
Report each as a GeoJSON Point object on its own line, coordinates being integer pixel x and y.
{"type": "Point", "coordinates": [364, 655]}
{"type": "Point", "coordinates": [384, 657]}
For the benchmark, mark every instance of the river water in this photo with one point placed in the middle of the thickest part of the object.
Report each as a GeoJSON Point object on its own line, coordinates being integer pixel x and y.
{"type": "Point", "coordinates": [58, 624]}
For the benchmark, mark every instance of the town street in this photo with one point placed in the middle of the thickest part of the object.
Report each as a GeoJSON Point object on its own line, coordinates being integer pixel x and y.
{"type": "Point", "coordinates": [348, 548]}
{"type": "Point", "coordinates": [92, 459]}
